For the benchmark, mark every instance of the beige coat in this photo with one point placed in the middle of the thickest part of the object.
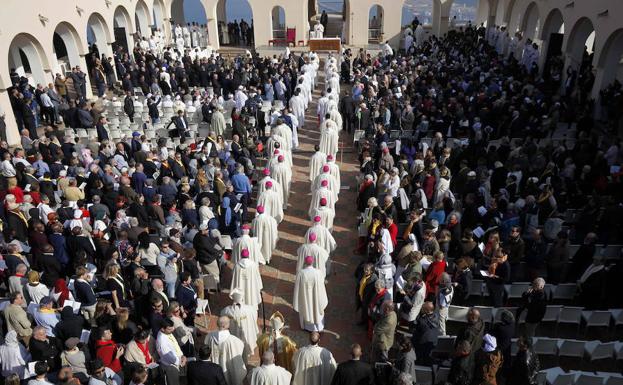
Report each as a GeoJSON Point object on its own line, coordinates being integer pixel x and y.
{"type": "Point", "coordinates": [134, 354]}
{"type": "Point", "coordinates": [17, 320]}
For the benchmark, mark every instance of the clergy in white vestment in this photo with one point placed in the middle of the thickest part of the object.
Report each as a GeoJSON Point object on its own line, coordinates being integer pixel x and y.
{"type": "Point", "coordinates": [408, 42]}
{"type": "Point", "coordinates": [179, 43]}
{"type": "Point", "coordinates": [312, 249]}
{"type": "Point", "coordinates": [246, 278]}
{"type": "Point", "coordinates": [285, 132]}
{"type": "Point", "coordinates": [318, 194]}
{"type": "Point", "coordinates": [243, 322]}
{"type": "Point", "coordinates": [313, 365]}
{"type": "Point", "coordinates": [169, 351]}
{"type": "Point", "coordinates": [240, 98]}
{"type": "Point", "coordinates": [269, 373]}
{"type": "Point", "coordinates": [217, 123]}
{"type": "Point", "coordinates": [278, 142]}
{"type": "Point", "coordinates": [334, 114]}
{"type": "Point", "coordinates": [310, 297]}
{"type": "Point", "coordinates": [326, 175]}
{"type": "Point", "coordinates": [228, 352]}
{"type": "Point", "coordinates": [316, 162]}
{"type": "Point", "coordinates": [272, 202]}
{"type": "Point", "coordinates": [282, 346]}
{"type": "Point", "coordinates": [321, 110]}
{"type": "Point", "coordinates": [326, 214]}
{"type": "Point", "coordinates": [318, 30]}
{"type": "Point", "coordinates": [297, 106]}
{"type": "Point", "coordinates": [295, 127]}
{"type": "Point", "coordinates": [245, 241]}
{"type": "Point", "coordinates": [324, 237]}
{"type": "Point", "coordinates": [419, 34]}
{"type": "Point", "coordinates": [265, 229]}
{"type": "Point", "coordinates": [334, 169]}
{"type": "Point", "coordinates": [283, 175]}
{"type": "Point", "coordinates": [178, 31]}
{"type": "Point", "coordinates": [329, 137]}
{"type": "Point", "coordinates": [261, 185]}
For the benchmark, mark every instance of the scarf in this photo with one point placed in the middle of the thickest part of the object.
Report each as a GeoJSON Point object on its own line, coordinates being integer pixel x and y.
{"type": "Point", "coordinates": [144, 348]}
{"type": "Point", "coordinates": [60, 287]}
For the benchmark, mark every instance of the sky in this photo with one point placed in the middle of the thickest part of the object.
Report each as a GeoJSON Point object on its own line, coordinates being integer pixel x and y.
{"type": "Point", "coordinates": [238, 9]}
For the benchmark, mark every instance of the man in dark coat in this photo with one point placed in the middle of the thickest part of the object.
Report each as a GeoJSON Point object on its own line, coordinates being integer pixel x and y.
{"type": "Point", "coordinates": [473, 332]}
{"type": "Point", "coordinates": [203, 371]}
{"type": "Point", "coordinates": [181, 125]}
{"type": "Point", "coordinates": [128, 106]}
{"type": "Point", "coordinates": [102, 133]}
{"type": "Point", "coordinates": [347, 109]}
{"type": "Point", "coordinates": [354, 371]}
{"type": "Point", "coordinates": [425, 333]}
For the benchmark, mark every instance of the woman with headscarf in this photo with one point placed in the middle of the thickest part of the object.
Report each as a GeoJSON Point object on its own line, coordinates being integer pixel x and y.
{"type": "Point", "coordinates": [13, 356]}
{"type": "Point", "coordinates": [228, 219]}
{"type": "Point", "coordinates": [61, 293]}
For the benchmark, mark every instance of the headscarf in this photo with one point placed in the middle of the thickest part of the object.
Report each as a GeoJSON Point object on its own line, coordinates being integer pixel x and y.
{"type": "Point", "coordinates": [227, 211]}
{"type": "Point", "coordinates": [13, 356]}
{"type": "Point", "coordinates": [60, 287]}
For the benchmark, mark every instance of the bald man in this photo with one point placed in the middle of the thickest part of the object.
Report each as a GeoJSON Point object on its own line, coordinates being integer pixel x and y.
{"type": "Point", "coordinates": [228, 352]}
{"type": "Point", "coordinates": [354, 371]}
{"type": "Point", "coordinates": [313, 365]}
{"type": "Point", "coordinates": [269, 373]}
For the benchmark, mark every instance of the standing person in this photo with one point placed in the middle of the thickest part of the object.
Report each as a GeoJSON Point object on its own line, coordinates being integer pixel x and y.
{"type": "Point", "coordinates": [534, 302]}
{"type": "Point", "coordinates": [462, 367]}
{"type": "Point", "coordinates": [228, 352]}
{"type": "Point", "coordinates": [383, 333]}
{"type": "Point", "coordinates": [171, 357]}
{"type": "Point", "coordinates": [499, 275]}
{"type": "Point", "coordinates": [525, 366]}
{"type": "Point", "coordinates": [487, 361]}
{"type": "Point", "coordinates": [203, 371]}
{"type": "Point", "coordinates": [353, 371]}
{"type": "Point", "coordinates": [310, 296]}
{"type": "Point", "coordinates": [313, 365]}
{"type": "Point", "coordinates": [269, 373]}
{"type": "Point", "coordinates": [445, 292]}
{"type": "Point", "coordinates": [473, 332]}
{"type": "Point", "coordinates": [244, 321]}
{"type": "Point", "coordinates": [285, 347]}
{"type": "Point", "coordinates": [516, 250]}
{"type": "Point", "coordinates": [425, 333]}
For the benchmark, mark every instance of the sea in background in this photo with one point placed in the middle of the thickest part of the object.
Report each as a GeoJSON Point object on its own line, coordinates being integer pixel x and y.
{"type": "Point", "coordinates": [465, 10]}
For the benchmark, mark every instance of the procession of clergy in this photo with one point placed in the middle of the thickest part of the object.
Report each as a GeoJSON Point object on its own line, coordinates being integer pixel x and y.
{"type": "Point", "coordinates": [238, 334]}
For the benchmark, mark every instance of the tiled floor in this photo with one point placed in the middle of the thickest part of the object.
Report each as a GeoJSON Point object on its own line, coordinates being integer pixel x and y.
{"type": "Point", "coordinates": [278, 278]}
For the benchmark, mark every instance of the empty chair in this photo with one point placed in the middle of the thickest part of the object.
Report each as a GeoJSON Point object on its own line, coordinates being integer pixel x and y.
{"type": "Point", "coordinates": [570, 315]}
{"type": "Point", "coordinates": [458, 313]}
{"type": "Point", "coordinates": [545, 346]}
{"type": "Point", "coordinates": [597, 350]}
{"type": "Point", "coordinates": [476, 289]}
{"type": "Point", "coordinates": [589, 379]}
{"type": "Point", "coordinates": [445, 346]}
{"type": "Point", "coordinates": [517, 289]}
{"type": "Point", "coordinates": [551, 313]}
{"type": "Point", "coordinates": [441, 375]}
{"type": "Point", "coordinates": [571, 348]}
{"type": "Point", "coordinates": [557, 376]}
{"type": "Point", "coordinates": [596, 319]}
{"type": "Point", "coordinates": [424, 375]}
{"type": "Point", "coordinates": [564, 291]}
{"type": "Point", "coordinates": [617, 316]}
{"type": "Point", "coordinates": [612, 378]}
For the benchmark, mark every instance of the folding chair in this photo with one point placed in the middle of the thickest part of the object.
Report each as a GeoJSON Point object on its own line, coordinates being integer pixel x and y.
{"type": "Point", "coordinates": [458, 313]}
{"type": "Point", "coordinates": [612, 378]}
{"type": "Point", "coordinates": [569, 315]}
{"type": "Point", "coordinates": [517, 289]}
{"type": "Point", "coordinates": [547, 349]}
{"type": "Point", "coordinates": [589, 379]}
{"type": "Point", "coordinates": [565, 291]}
{"type": "Point", "coordinates": [445, 347]}
{"type": "Point", "coordinates": [551, 313]}
{"type": "Point", "coordinates": [557, 376]}
{"type": "Point", "coordinates": [596, 319]}
{"type": "Point", "coordinates": [597, 350]}
{"type": "Point", "coordinates": [477, 287]}
{"type": "Point", "coordinates": [424, 375]}
{"type": "Point", "coordinates": [571, 348]}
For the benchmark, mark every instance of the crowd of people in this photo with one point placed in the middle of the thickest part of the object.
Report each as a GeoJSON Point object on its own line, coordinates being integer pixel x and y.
{"type": "Point", "coordinates": [112, 247]}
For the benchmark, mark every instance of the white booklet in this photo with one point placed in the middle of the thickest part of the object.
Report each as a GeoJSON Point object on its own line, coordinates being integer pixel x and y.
{"type": "Point", "coordinates": [74, 305]}
{"type": "Point", "coordinates": [202, 304]}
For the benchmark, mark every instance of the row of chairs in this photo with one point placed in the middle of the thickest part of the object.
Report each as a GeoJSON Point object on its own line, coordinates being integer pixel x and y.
{"type": "Point", "coordinates": [557, 376]}
{"type": "Point", "coordinates": [563, 291]}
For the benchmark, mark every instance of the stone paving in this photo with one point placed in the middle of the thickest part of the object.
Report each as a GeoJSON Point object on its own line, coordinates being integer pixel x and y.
{"type": "Point", "coordinates": [278, 278]}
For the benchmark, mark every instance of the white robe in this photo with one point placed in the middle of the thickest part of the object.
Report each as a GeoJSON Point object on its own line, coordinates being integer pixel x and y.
{"type": "Point", "coordinates": [322, 108]}
{"type": "Point", "coordinates": [313, 365]}
{"type": "Point", "coordinates": [332, 183]}
{"type": "Point", "coordinates": [243, 324]}
{"type": "Point", "coordinates": [241, 99]}
{"type": "Point", "coordinates": [297, 106]}
{"type": "Point", "coordinates": [319, 254]}
{"type": "Point", "coordinates": [324, 238]}
{"type": "Point", "coordinates": [334, 170]}
{"type": "Point", "coordinates": [310, 298]}
{"type": "Point", "coordinates": [270, 375]}
{"type": "Point", "coordinates": [419, 34]}
{"type": "Point", "coordinates": [273, 204]}
{"type": "Point", "coordinates": [261, 185]}
{"type": "Point", "coordinates": [329, 137]}
{"type": "Point", "coordinates": [250, 243]}
{"type": "Point", "coordinates": [326, 216]}
{"type": "Point", "coordinates": [285, 132]}
{"type": "Point", "coordinates": [322, 192]}
{"type": "Point", "coordinates": [265, 229]}
{"type": "Point", "coordinates": [315, 164]}
{"type": "Point", "coordinates": [217, 124]}
{"type": "Point", "coordinates": [246, 278]}
{"type": "Point", "coordinates": [283, 175]}
{"type": "Point", "coordinates": [228, 352]}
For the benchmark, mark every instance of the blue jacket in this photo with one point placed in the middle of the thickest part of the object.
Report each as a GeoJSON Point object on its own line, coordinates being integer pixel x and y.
{"type": "Point", "coordinates": [60, 249]}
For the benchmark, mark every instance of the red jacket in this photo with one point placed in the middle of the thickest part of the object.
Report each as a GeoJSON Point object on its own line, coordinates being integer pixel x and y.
{"type": "Point", "coordinates": [106, 351]}
{"type": "Point", "coordinates": [393, 233]}
{"type": "Point", "coordinates": [433, 273]}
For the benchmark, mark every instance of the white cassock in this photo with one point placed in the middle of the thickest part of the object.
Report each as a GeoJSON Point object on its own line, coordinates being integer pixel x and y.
{"type": "Point", "coordinates": [241, 99]}
{"type": "Point", "coordinates": [243, 324]}
{"type": "Point", "coordinates": [324, 238]}
{"type": "Point", "coordinates": [217, 124]}
{"type": "Point", "coordinates": [265, 229]}
{"type": "Point", "coordinates": [283, 147]}
{"type": "Point", "coordinates": [273, 204]}
{"type": "Point", "coordinates": [332, 183]}
{"type": "Point", "coordinates": [250, 243]}
{"type": "Point", "coordinates": [247, 279]}
{"type": "Point", "coordinates": [326, 216]}
{"type": "Point", "coordinates": [285, 132]}
{"type": "Point", "coordinates": [334, 84]}
{"type": "Point", "coordinates": [319, 31]}
{"type": "Point", "coordinates": [297, 106]}
{"type": "Point", "coordinates": [322, 192]}
{"type": "Point", "coordinates": [335, 115]}
{"type": "Point", "coordinates": [313, 365]}
{"type": "Point", "coordinates": [310, 298]}
{"type": "Point", "coordinates": [334, 170]}
{"type": "Point", "coordinates": [295, 126]}
{"type": "Point", "coordinates": [283, 175]}
{"type": "Point", "coordinates": [270, 375]}
{"type": "Point", "coordinates": [179, 42]}
{"type": "Point", "coordinates": [329, 137]}
{"type": "Point", "coordinates": [187, 41]}
{"type": "Point", "coordinates": [178, 31]}
{"type": "Point", "coordinates": [320, 257]}
{"type": "Point", "coordinates": [419, 34]}
{"type": "Point", "coordinates": [322, 108]}
{"type": "Point", "coordinates": [408, 42]}
{"type": "Point", "coordinates": [228, 352]}
{"type": "Point", "coordinates": [315, 164]}
{"type": "Point", "coordinates": [261, 185]}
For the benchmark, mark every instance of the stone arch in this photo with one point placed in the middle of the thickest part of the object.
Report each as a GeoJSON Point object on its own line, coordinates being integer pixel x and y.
{"type": "Point", "coordinates": [554, 23]}
{"type": "Point", "coordinates": [123, 29]}
{"type": "Point", "coordinates": [99, 33]}
{"type": "Point", "coordinates": [73, 45]}
{"type": "Point", "coordinates": [578, 37]}
{"type": "Point", "coordinates": [222, 19]}
{"type": "Point", "coordinates": [158, 14]}
{"type": "Point", "coordinates": [278, 22]}
{"type": "Point", "coordinates": [530, 21]}
{"type": "Point", "coordinates": [508, 12]}
{"type": "Point", "coordinates": [27, 56]}
{"type": "Point", "coordinates": [610, 58]}
{"type": "Point", "coordinates": [376, 21]}
{"type": "Point", "coordinates": [142, 18]}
